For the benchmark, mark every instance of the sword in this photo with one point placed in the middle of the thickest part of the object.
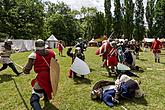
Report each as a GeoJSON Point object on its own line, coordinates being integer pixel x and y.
{"type": "Point", "coordinates": [17, 64]}
{"type": "Point", "coordinates": [123, 107]}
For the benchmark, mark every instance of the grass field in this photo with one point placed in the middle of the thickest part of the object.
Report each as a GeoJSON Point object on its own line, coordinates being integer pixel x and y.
{"type": "Point", "coordinates": [15, 91]}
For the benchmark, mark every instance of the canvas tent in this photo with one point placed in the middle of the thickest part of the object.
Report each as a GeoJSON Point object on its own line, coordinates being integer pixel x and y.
{"type": "Point", "coordinates": [1, 43]}
{"type": "Point", "coordinates": [93, 42]}
{"type": "Point", "coordinates": [52, 40]}
{"type": "Point", "coordinates": [148, 40]}
{"type": "Point", "coordinates": [23, 45]}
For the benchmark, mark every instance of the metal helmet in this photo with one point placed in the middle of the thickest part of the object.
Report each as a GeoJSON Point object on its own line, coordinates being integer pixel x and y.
{"type": "Point", "coordinates": [8, 42]}
{"type": "Point", "coordinates": [40, 44]}
{"type": "Point", "coordinates": [78, 50]}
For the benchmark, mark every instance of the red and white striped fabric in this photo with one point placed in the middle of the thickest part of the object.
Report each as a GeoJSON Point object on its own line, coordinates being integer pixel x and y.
{"type": "Point", "coordinates": [104, 49]}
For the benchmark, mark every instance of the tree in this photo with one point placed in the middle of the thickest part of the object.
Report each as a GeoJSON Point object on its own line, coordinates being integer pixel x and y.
{"type": "Point", "coordinates": [117, 20]}
{"type": "Point", "coordinates": [87, 21]}
{"type": "Point", "coordinates": [139, 29]}
{"type": "Point", "coordinates": [60, 8]}
{"type": "Point", "coordinates": [108, 17]}
{"type": "Point", "coordinates": [63, 27]}
{"type": "Point", "coordinates": [21, 19]}
{"type": "Point", "coordinates": [128, 13]}
{"type": "Point", "coordinates": [160, 18]}
{"type": "Point", "coordinates": [150, 17]}
{"type": "Point", "coordinates": [99, 24]}
{"type": "Point", "coordinates": [7, 18]}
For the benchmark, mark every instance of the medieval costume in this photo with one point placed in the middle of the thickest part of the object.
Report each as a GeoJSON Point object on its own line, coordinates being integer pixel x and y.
{"type": "Point", "coordinates": [156, 46]}
{"type": "Point", "coordinates": [129, 58]}
{"type": "Point", "coordinates": [111, 92]}
{"type": "Point", "coordinates": [5, 57]}
{"type": "Point", "coordinates": [120, 54]}
{"type": "Point", "coordinates": [41, 85]}
{"type": "Point", "coordinates": [78, 53]}
{"type": "Point", "coordinates": [109, 54]}
{"type": "Point", "coordinates": [137, 50]}
{"type": "Point", "coordinates": [104, 50]}
{"type": "Point", "coordinates": [60, 48]}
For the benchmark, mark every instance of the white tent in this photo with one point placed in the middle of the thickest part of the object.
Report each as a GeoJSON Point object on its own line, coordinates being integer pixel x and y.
{"type": "Point", "coordinates": [148, 39]}
{"type": "Point", "coordinates": [93, 42]}
{"type": "Point", "coordinates": [52, 40]}
{"type": "Point", "coordinates": [1, 43]}
{"type": "Point", "coordinates": [23, 45]}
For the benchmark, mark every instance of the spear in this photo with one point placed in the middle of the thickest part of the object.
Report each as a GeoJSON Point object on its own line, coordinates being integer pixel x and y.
{"type": "Point", "coordinates": [17, 64]}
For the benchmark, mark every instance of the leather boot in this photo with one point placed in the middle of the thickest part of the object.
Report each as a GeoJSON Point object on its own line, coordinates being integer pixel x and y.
{"type": "Point", "coordinates": [158, 60]}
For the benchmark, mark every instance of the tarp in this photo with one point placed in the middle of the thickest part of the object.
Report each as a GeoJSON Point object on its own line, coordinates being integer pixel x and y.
{"type": "Point", "coordinates": [1, 43]}
{"type": "Point", "coordinates": [148, 39]}
{"type": "Point", "coordinates": [162, 40]}
{"type": "Point", "coordinates": [80, 67]}
{"type": "Point", "coordinates": [23, 45]}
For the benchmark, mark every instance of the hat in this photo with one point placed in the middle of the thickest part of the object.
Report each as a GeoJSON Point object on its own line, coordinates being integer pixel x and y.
{"type": "Point", "coordinates": [39, 44]}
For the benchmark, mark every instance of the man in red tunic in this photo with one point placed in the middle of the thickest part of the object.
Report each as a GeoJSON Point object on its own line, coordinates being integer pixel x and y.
{"type": "Point", "coordinates": [109, 53]}
{"type": "Point", "coordinates": [156, 46]}
{"type": "Point", "coordinates": [60, 48]}
{"type": "Point", "coordinates": [41, 85]}
{"type": "Point", "coordinates": [104, 50]}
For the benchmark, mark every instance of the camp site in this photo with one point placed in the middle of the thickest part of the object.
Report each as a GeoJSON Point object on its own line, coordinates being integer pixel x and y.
{"type": "Point", "coordinates": [82, 55]}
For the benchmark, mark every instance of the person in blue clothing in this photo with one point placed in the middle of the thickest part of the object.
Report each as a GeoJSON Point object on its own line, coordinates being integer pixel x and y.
{"type": "Point", "coordinates": [112, 92]}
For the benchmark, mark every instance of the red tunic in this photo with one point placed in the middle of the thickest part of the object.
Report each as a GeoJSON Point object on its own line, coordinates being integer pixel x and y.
{"type": "Point", "coordinates": [112, 58]}
{"type": "Point", "coordinates": [104, 50]}
{"type": "Point", "coordinates": [43, 72]}
{"type": "Point", "coordinates": [60, 47]}
{"type": "Point", "coordinates": [156, 46]}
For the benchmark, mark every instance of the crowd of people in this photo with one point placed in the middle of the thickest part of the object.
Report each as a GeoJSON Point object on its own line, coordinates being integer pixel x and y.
{"type": "Point", "coordinates": [112, 53]}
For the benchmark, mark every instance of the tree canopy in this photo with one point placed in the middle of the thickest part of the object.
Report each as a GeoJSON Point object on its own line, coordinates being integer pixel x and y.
{"type": "Point", "coordinates": [33, 19]}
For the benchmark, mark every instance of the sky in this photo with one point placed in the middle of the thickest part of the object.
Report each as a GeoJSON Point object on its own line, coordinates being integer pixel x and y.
{"type": "Point", "coordinates": [77, 4]}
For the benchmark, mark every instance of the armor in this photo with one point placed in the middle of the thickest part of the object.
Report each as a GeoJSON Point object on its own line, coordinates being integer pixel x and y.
{"type": "Point", "coordinates": [40, 44]}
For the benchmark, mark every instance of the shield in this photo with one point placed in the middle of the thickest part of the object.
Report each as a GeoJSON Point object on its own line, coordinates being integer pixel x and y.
{"type": "Point", "coordinates": [122, 67]}
{"type": "Point", "coordinates": [54, 75]}
{"type": "Point", "coordinates": [80, 67]}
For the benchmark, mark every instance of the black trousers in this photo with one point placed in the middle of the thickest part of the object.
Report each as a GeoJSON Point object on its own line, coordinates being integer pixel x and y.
{"type": "Point", "coordinates": [11, 65]}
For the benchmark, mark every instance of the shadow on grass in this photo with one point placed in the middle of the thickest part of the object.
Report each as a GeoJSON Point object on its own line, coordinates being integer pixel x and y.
{"type": "Point", "coordinates": [138, 69]}
{"type": "Point", "coordinates": [138, 101]}
{"type": "Point", "coordinates": [23, 100]}
{"type": "Point", "coordinates": [162, 63]}
{"type": "Point", "coordinates": [50, 106]}
{"type": "Point", "coordinates": [113, 76]}
{"type": "Point", "coordinates": [6, 78]}
{"type": "Point", "coordinates": [91, 69]}
{"type": "Point", "coordinates": [80, 80]}
{"type": "Point", "coordinates": [143, 59]}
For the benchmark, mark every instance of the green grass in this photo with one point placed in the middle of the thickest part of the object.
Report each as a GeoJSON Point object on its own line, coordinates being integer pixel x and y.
{"type": "Point", "coordinates": [75, 95]}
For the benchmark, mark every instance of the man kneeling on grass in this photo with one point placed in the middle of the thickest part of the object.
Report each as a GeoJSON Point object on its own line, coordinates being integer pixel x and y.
{"type": "Point", "coordinates": [112, 92]}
